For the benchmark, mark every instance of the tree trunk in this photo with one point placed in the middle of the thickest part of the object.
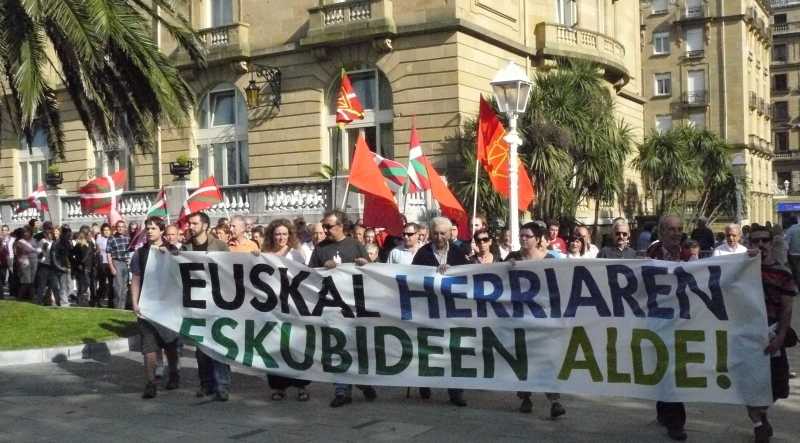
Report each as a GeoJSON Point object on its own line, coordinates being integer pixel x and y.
{"type": "Point", "coordinates": [596, 218]}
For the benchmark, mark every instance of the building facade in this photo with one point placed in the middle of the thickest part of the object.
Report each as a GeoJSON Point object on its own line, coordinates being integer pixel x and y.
{"type": "Point", "coordinates": [410, 61]}
{"type": "Point", "coordinates": [785, 69]}
{"type": "Point", "coordinates": [706, 63]}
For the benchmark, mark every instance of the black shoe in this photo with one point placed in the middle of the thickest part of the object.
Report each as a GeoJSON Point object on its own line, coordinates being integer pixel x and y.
{"type": "Point", "coordinates": [556, 410]}
{"type": "Point", "coordinates": [678, 434]}
{"type": "Point", "coordinates": [761, 434]}
{"type": "Point", "coordinates": [203, 392]}
{"type": "Point", "coordinates": [369, 393]}
{"type": "Point", "coordinates": [458, 400]}
{"type": "Point", "coordinates": [149, 390]}
{"type": "Point", "coordinates": [341, 400]}
{"type": "Point", "coordinates": [767, 424]}
{"type": "Point", "coordinates": [173, 382]}
{"type": "Point", "coordinates": [222, 395]}
{"type": "Point", "coordinates": [425, 393]}
{"type": "Point", "coordinates": [526, 406]}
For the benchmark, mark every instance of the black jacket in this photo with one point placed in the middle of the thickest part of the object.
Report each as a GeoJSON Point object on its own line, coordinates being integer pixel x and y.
{"type": "Point", "coordinates": [425, 256]}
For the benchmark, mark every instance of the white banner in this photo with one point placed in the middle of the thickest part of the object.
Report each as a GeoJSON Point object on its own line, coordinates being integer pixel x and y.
{"type": "Point", "coordinates": [692, 331]}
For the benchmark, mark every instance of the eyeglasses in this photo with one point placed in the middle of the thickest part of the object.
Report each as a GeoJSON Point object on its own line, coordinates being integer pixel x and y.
{"type": "Point", "coordinates": [622, 234]}
{"type": "Point", "coordinates": [409, 234]}
{"type": "Point", "coordinates": [483, 240]}
{"type": "Point", "coordinates": [328, 227]}
{"type": "Point", "coordinates": [760, 240]}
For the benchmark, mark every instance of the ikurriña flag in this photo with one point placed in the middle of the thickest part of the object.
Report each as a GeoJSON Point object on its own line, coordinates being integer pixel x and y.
{"type": "Point", "coordinates": [493, 153]}
{"type": "Point", "coordinates": [348, 106]}
{"type": "Point", "coordinates": [393, 171]}
{"type": "Point", "coordinates": [418, 180]}
{"type": "Point", "coordinates": [37, 199]}
{"type": "Point", "coordinates": [205, 196]}
{"type": "Point", "coordinates": [159, 207]}
{"type": "Point", "coordinates": [100, 196]}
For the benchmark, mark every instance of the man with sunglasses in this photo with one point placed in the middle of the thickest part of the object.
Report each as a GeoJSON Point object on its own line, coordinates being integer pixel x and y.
{"type": "Point", "coordinates": [671, 415]}
{"type": "Point", "coordinates": [404, 254]}
{"type": "Point", "coordinates": [622, 236]}
{"type": "Point", "coordinates": [338, 248]}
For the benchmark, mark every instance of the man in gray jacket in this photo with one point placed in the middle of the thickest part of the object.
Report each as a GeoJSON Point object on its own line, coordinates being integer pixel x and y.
{"type": "Point", "coordinates": [215, 377]}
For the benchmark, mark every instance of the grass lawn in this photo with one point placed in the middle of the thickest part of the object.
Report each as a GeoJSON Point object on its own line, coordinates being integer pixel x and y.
{"type": "Point", "coordinates": [26, 326]}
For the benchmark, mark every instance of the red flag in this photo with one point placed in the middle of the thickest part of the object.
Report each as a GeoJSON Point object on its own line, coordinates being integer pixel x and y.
{"type": "Point", "coordinates": [348, 106]}
{"type": "Point", "coordinates": [100, 195]}
{"type": "Point", "coordinates": [37, 199]}
{"type": "Point", "coordinates": [205, 196]}
{"type": "Point", "coordinates": [448, 203]}
{"type": "Point", "coordinates": [380, 209]}
{"type": "Point", "coordinates": [493, 155]}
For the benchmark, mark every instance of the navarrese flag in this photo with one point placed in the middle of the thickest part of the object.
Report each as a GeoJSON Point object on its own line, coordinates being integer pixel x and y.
{"type": "Point", "coordinates": [37, 199]}
{"type": "Point", "coordinates": [418, 180]}
{"type": "Point", "coordinates": [394, 172]}
{"type": "Point", "coordinates": [99, 196]}
{"type": "Point", "coordinates": [159, 207]}
{"type": "Point", "coordinates": [493, 155]}
{"type": "Point", "coordinates": [380, 208]}
{"type": "Point", "coordinates": [348, 106]}
{"type": "Point", "coordinates": [205, 196]}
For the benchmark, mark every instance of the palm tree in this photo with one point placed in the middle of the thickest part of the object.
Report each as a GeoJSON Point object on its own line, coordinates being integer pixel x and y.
{"type": "Point", "coordinates": [102, 53]}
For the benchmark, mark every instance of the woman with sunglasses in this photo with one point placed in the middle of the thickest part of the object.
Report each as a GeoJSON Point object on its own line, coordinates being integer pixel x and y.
{"type": "Point", "coordinates": [533, 246]}
{"type": "Point", "coordinates": [483, 242]}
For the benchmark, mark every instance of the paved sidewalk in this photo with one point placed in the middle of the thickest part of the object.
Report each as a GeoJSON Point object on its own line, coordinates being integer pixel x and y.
{"type": "Point", "coordinates": [99, 401]}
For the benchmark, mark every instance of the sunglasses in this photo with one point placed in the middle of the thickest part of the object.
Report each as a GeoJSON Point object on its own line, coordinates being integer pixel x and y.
{"type": "Point", "coordinates": [409, 234]}
{"type": "Point", "coordinates": [327, 227]}
{"type": "Point", "coordinates": [483, 240]}
{"type": "Point", "coordinates": [760, 240]}
{"type": "Point", "coordinates": [622, 234]}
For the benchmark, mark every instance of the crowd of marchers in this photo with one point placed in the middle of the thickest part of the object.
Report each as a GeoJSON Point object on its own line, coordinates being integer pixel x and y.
{"type": "Point", "coordinates": [103, 265]}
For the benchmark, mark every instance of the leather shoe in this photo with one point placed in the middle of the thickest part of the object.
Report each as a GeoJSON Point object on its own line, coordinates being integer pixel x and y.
{"type": "Point", "coordinates": [149, 390]}
{"type": "Point", "coordinates": [458, 400]}
{"type": "Point", "coordinates": [425, 393]}
{"type": "Point", "coordinates": [341, 400]}
{"type": "Point", "coordinates": [526, 406]}
{"type": "Point", "coordinates": [369, 393]}
{"type": "Point", "coordinates": [678, 434]}
{"type": "Point", "coordinates": [556, 410]}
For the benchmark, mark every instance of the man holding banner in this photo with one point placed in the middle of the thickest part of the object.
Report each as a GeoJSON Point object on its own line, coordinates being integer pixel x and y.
{"type": "Point", "coordinates": [336, 249]}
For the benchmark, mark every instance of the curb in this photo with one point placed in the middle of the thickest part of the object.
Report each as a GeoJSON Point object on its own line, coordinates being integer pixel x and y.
{"type": "Point", "coordinates": [63, 353]}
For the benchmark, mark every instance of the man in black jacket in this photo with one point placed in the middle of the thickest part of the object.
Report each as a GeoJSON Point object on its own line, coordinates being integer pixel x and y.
{"type": "Point", "coordinates": [441, 253]}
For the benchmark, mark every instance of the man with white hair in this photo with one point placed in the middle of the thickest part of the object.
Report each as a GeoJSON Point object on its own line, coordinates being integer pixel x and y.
{"type": "Point", "coordinates": [731, 245]}
{"type": "Point", "coordinates": [622, 237]}
{"type": "Point", "coordinates": [441, 253]}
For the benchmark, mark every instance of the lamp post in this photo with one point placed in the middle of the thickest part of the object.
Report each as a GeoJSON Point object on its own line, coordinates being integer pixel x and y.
{"type": "Point", "coordinates": [512, 89]}
{"type": "Point", "coordinates": [786, 186]}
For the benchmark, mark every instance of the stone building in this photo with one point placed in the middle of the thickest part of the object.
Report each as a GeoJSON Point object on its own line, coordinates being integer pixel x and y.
{"type": "Point", "coordinates": [409, 60]}
{"type": "Point", "coordinates": [785, 69]}
{"type": "Point", "coordinates": [706, 63]}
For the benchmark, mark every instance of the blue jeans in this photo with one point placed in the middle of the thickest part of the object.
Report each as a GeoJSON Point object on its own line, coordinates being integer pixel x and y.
{"type": "Point", "coordinates": [214, 376]}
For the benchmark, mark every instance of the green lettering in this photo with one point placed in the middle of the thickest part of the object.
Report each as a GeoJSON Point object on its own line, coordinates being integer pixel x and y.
{"type": "Point", "coordinates": [219, 337]}
{"type": "Point", "coordinates": [662, 357]}
{"type": "Point", "coordinates": [614, 376]}
{"type": "Point", "coordinates": [381, 367]}
{"type": "Point", "coordinates": [457, 352]}
{"type": "Point", "coordinates": [426, 350]}
{"type": "Point", "coordinates": [517, 362]}
{"type": "Point", "coordinates": [329, 349]}
{"type": "Point", "coordinates": [255, 342]}
{"type": "Point", "coordinates": [286, 347]}
{"type": "Point", "coordinates": [580, 341]}
{"type": "Point", "coordinates": [683, 358]}
{"type": "Point", "coordinates": [186, 328]}
{"type": "Point", "coordinates": [363, 351]}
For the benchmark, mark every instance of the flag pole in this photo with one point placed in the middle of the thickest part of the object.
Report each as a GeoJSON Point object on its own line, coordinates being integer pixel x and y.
{"type": "Point", "coordinates": [475, 196]}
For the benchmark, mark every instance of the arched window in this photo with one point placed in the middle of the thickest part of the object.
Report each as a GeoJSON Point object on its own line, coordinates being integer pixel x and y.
{"type": "Point", "coordinates": [375, 93]}
{"type": "Point", "coordinates": [33, 161]}
{"type": "Point", "coordinates": [222, 136]}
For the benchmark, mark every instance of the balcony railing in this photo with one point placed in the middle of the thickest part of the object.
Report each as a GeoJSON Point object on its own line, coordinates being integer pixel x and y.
{"type": "Point", "coordinates": [783, 3]}
{"type": "Point", "coordinates": [259, 200]}
{"type": "Point", "coordinates": [349, 21]}
{"type": "Point", "coordinates": [221, 43]}
{"type": "Point", "coordinates": [695, 98]}
{"type": "Point", "coordinates": [699, 53]}
{"type": "Point", "coordinates": [692, 12]}
{"type": "Point", "coordinates": [787, 155]}
{"type": "Point", "coordinates": [783, 28]}
{"type": "Point", "coordinates": [558, 40]}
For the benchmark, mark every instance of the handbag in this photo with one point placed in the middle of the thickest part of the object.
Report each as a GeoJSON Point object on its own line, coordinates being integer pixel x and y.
{"type": "Point", "coordinates": [791, 338]}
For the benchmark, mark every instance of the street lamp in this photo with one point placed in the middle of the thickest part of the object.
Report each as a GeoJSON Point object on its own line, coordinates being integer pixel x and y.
{"type": "Point", "coordinates": [512, 90]}
{"type": "Point", "coordinates": [786, 186]}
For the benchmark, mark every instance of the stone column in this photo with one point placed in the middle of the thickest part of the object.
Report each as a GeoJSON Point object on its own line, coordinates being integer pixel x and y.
{"type": "Point", "coordinates": [56, 209]}
{"type": "Point", "coordinates": [176, 194]}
